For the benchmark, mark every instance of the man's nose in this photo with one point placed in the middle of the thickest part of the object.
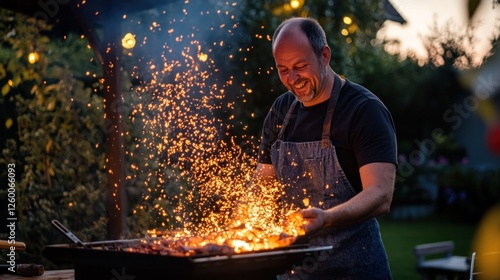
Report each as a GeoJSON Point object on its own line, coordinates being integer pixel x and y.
{"type": "Point", "coordinates": [292, 76]}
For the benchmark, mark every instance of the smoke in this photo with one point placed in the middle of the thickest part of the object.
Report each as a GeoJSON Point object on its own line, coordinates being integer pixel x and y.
{"type": "Point", "coordinates": [189, 169]}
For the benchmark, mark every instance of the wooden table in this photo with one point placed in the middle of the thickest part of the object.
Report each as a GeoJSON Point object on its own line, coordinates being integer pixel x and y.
{"type": "Point", "coordinates": [68, 274]}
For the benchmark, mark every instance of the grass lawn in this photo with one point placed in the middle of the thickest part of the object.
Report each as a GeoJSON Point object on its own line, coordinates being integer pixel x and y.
{"type": "Point", "coordinates": [401, 236]}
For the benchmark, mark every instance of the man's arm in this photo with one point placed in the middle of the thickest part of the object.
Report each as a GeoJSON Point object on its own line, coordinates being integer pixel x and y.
{"type": "Point", "coordinates": [374, 200]}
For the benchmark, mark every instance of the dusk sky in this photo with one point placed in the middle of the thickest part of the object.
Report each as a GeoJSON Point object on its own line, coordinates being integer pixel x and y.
{"type": "Point", "coordinates": [421, 14]}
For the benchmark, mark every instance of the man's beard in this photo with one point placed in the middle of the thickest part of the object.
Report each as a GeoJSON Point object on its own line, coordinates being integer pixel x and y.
{"type": "Point", "coordinates": [315, 92]}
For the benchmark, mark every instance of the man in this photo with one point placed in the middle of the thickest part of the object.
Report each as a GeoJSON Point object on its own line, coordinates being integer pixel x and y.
{"type": "Point", "coordinates": [331, 144]}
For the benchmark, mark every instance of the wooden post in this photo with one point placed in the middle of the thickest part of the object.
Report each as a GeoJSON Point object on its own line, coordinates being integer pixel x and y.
{"type": "Point", "coordinates": [113, 128]}
{"type": "Point", "coordinates": [108, 51]}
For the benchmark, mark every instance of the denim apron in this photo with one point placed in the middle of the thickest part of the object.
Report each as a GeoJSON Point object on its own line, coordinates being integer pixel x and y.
{"type": "Point", "coordinates": [311, 175]}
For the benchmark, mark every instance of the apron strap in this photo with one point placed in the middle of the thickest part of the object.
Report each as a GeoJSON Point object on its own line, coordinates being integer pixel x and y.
{"type": "Point", "coordinates": [287, 118]}
{"type": "Point", "coordinates": [325, 136]}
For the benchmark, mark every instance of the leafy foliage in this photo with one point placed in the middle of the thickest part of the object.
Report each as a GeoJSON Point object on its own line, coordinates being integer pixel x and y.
{"type": "Point", "coordinates": [58, 149]}
{"type": "Point", "coordinates": [468, 193]}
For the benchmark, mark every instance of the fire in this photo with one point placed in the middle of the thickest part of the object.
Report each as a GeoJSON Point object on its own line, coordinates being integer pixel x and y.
{"type": "Point", "coordinates": [240, 239]}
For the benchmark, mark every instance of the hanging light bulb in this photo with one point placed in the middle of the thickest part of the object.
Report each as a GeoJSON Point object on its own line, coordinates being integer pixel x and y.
{"type": "Point", "coordinates": [347, 20]}
{"type": "Point", "coordinates": [295, 4]}
{"type": "Point", "coordinates": [33, 57]}
{"type": "Point", "coordinates": [128, 41]}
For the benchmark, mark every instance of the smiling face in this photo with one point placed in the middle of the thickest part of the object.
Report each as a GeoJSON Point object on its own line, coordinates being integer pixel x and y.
{"type": "Point", "coordinates": [299, 68]}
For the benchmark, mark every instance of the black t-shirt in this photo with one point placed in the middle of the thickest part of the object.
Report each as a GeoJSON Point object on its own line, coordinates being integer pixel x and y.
{"type": "Point", "coordinates": [362, 129]}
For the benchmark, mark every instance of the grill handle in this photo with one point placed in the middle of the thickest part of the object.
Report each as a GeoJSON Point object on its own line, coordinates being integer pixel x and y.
{"type": "Point", "coordinates": [68, 234]}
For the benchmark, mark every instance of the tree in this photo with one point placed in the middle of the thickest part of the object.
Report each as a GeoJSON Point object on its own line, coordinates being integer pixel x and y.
{"type": "Point", "coordinates": [57, 148]}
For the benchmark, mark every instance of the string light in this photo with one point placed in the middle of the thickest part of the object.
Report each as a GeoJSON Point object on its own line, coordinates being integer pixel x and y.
{"type": "Point", "coordinates": [347, 20]}
{"type": "Point", "coordinates": [295, 4]}
{"type": "Point", "coordinates": [33, 57]}
{"type": "Point", "coordinates": [128, 41]}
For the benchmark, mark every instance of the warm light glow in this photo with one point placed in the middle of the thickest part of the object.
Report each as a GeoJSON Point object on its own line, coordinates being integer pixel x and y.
{"type": "Point", "coordinates": [347, 20]}
{"type": "Point", "coordinates": [295, 4]}
{"type": "Point", "coordinates": [128, 41]}
{"type": "Point", "coordinates": [33, 57]}
{"type": "Point", "coordinates": [344, 32]}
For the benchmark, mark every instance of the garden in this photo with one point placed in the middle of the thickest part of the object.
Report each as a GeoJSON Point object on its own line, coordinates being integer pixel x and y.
{"type": "Point", "coordinates": [187, 91]}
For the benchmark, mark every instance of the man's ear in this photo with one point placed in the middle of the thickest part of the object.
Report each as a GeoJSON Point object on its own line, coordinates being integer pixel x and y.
{"type": "Point", "coordinates": [326, 55]}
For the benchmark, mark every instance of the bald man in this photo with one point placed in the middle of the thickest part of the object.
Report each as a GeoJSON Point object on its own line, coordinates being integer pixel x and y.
{"type": "Point", "coordinates": [331, 144]}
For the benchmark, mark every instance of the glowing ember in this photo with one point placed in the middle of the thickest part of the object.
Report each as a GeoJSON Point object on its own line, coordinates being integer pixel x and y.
{"type": "Point", "coordinates": [233, 241]}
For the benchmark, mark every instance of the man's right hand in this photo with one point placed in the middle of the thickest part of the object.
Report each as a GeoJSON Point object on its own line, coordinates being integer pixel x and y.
{"type": "Point", "coordinates": [315, 219]}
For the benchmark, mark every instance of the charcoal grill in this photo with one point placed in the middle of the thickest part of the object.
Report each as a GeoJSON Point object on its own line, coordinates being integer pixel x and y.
{"type": "Point", "coordinates": [110, 260]}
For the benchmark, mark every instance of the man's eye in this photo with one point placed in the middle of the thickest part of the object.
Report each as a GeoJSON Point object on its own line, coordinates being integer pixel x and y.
{"type": "Point", "coordinates": [300, 67]}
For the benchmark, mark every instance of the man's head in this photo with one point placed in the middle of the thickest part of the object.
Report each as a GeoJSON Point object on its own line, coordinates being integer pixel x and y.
{"type": "Point", "coordinates": [302, 58]}
{"type": "Point", "coordinates": [311, 28]}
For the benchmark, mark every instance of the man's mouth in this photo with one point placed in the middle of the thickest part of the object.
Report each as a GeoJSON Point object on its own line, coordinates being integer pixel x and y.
{"type": "Point", "coordinates": [300, 85]}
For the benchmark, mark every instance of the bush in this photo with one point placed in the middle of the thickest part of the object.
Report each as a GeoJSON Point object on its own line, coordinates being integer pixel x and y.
{"type": "Point", "coordinates": [58, 161]}
{"type": "Point", "coordinates": [467, 193]}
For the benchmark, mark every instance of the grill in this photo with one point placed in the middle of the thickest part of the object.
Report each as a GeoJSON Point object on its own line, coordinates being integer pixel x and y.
{"type": "Point", "coordinates": [111, 260]}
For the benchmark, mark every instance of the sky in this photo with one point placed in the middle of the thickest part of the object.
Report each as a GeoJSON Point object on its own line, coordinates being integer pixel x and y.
{"type": "Point", "coordinates": [420, 16]}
